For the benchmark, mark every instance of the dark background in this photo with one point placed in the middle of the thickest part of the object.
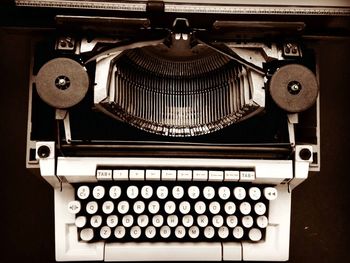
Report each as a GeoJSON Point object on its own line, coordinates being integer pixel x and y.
{"type": "Point", "coordinates": [319, 225]}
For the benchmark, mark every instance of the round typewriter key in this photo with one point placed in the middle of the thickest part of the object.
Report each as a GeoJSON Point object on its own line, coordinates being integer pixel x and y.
{"type": "Point", "coordinates": [80, 221]}
{"type": "Point", "coordinates": [150, 232]}
{"type": "Point", "coordinates": [223, 232]}
{"type": "Point", "coordinates": [260, 208]}
{"type": "Point", "coordinates": [239, 193]}
{"type": "Point", "coordinates": [123, 207]}
{"type": "Point", "coordinates": [238, 232]}
{"type": "Point", "coordinates": [180, 231]}
{"type": "Point", "coordinates": [172, 220]}
{"type": "Point", "coordinates": [153, 207]}
{"type": "Point", "coordinates": [83, 192]}
{"type": "Point", "coordinates": [98, 192]}
{"type": "Point", "coordinates": [232, 221]}
{"type": "Point", "coordinates": [193, 192]}
{"type": "Point", "coordinates": [87, 234]}
{"type": "Point", "coordinates": [255, 234]}
{"type": "Point", "coordinates": [224, 192]}
{"type": "Point", "coordinates": [105, 232]}
{"type": "Point", "coordinates": [208, 192]}
{"type": "Point", "coordinates": [254, 193]}
{"type": "Point", "coordinates": [270, 193]}
{"type": "Point", "coordinates": [247, 221]}
{"type": "Point", "coordinates": [96, 221]}
{"type": "Point", "coordinates": [200, 207]}
{"type": "Point", "coordinates": [184, 207]}
{"type": "Point", "coordinates": [262, 221]}
{"type": "Point", "coordinates": [112, 221]}
{"type": "Point", "coordinates": [214, 207]}
{"type": "Point", "coordinates": [108, 207]}
{"type": "Point", "coordinates": [202, 220]}
{"type": "Point", "coordinates": [146, 191]}
{"type": "Point", "coordinates": [142, 220]}
{"type": "Point", "coordinates": [209, 232]}
{"type": "Point", "coordinates": [91, 207]}
{"type": "Point", "coordinates": [139, 207]}
{"type": "Point", "coordinates": [157, 220]}
{"type": "Point", "coordinates": [115, 192]}
{"type": "Point", "coordinates": [132, 192]}
{"type": "Point", "coordinates": [178, 192]}
{"type": "Point", "coordinates": [193, 232]}
{"type": "Point", "coordinates": [162, 192]}
{"type": "Point", "coordinates": [187, 220]}
{"type": "Point", "coordinates": [127, 220]}
{"type": "Point", "coordinates": [119, 232]}
{"type": "Point", "coordinates": [230, 208]}
{"type": "Point", "coordinates": [170, 207]}
{"type": "Point", "coordinates": [218, 221]}
{"type": "Point", "coordinates": [135, 232]}
{"type": "Point", "coordinates": [245, 208]}
{"type": "Point", "coordinates": [165, 231]}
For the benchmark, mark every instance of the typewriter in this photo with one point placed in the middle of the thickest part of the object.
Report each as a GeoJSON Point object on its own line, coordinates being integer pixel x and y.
{"type": "Point", "coordinates": [173, 130]}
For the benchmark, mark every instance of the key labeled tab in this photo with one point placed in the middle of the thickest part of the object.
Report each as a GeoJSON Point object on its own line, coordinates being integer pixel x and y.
{"type": "Point", "coordinates": [246, 176]}
{"type": "Point", "coordinates": [104, 174]}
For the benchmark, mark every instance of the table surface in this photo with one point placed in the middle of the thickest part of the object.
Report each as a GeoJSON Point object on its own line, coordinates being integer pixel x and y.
{"type": "Point", "coordinates": [319, 224]}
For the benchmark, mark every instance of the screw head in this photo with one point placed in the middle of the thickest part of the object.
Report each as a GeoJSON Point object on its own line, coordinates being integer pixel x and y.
{"type": "Point", "coordinates": [44, 151]}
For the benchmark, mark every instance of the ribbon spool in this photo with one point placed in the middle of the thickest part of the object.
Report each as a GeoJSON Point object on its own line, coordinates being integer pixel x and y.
{"type": "Point", "coordinates": [62, 82]}
{"type": "Point", "coordinates": [294, 88]}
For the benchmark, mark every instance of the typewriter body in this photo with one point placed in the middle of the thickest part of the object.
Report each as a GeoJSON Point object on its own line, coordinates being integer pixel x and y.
{"type": "Point", "coordinates": [174, 131]}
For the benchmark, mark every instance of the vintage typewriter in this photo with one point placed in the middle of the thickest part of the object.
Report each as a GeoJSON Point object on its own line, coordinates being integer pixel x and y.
{"type": "Point", "coordinates": [173, 130]}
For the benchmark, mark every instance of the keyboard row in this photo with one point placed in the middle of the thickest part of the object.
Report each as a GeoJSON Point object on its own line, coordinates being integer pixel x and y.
{"type": "Point", "coordinates": [120, 174]}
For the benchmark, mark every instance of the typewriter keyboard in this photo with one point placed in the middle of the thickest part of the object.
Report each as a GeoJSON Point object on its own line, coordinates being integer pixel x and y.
{"type": "Point", "coordinates": [171, 211]}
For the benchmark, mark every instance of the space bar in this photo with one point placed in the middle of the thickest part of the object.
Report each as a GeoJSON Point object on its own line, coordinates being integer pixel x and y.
{"type": "Point", "coordinates": [172, 251]}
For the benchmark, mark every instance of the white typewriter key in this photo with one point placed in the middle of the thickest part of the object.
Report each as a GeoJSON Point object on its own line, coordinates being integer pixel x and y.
{"type": "Point", "coordinates": [115, 192]}
{"type": "Point", "coordinates": [153, 207]}
{"type": "Point", "coordinates": [193, 232]}
{"type": "Point", "coordinates": [142, 220]}
{"type": "Point", "coordinates": [87, 234]}
{"type": "Point", "coordinates": [119, 232]}
{"type": "Point", "coordinates": [193, 192]}
{"type": "Point", "coordinates": [127, 220]}
{"type": "Point", "coordinates": [168, 175]}
{"type": "Point", "coordinates": [162, 192]}
{"type": "Point", "coordinates": [224, 192]}
{"type": "Point", "coordinates": [262, 221]}
{"type": "Point", "coordinates": [209, 232]}
{"type": "Point", "coordinates": [178, 192]}
{"type": "Point", "coordinates": [184, 207]}
{"type": "Point", "coordinates": [254, 234]}
{"type": "Point", "coordinates": [260, 208]}
{"type": "Point", "coordinates": [187, 220]}
{"type": "Point", "coordinates": [165, 231]}
{"type": "Point", "coordinates": [74, 207]}
{"type": "Point", "coordinates": [172, 220]}
{"type": "Point", "coordinates": [83, 192]}
{"type": "Point", "coordinates": [232, 221]}
{"type": "Point", "coordinates": [270, 193]}
{"type": "Point", "coordinates": [200, 207]}
{"type": "Point", "coordinates": [208, 192]}
{"type": "Point", "coordinates": [223, 232]}
{"type": "Point", "coordinates": [137, 174]}
{"type": "Point", "coordinates": [139, 207]}
{"type": "Point", "coordinates": [214, 207]}
{"type": "Point", "coordinates": [132, 192]}
{"type": "Point", "coordinates": [98, 192]}
{"type": "Point", "coordinates": [123, 207]}
{"type": "Point", "coordinates": [150, 232]}
{"type": "Point", "coordinates": [238, 232]}
{"type": "Point", "coordinates": [254, 193]}
{"type": "Point", "coordinates": [80, 221]}
{"type": "Point", "coordinates": [245, 208]}
{"type": "Point", "coordinates": [218, 221]}
{"type": "Point", "coordinates": [146, 191]}
{"type": "Point", "coordinates": [239, 193]}
{"type": "Point", "coordinates": [184, 175]}
{"type": "Point", "coordinates": [157, 220]}
{"type": "Point", "coordinates": [91, 207]}
{"type": "Point", "coordinates": [105, 232]}
{"type": "Point", "coordinates": [180, 231]}
{"type": "Point", "coordinates": [202, 220]}
{"type": "Point", "coordinates": [200, 175]}
{"type": "Point", "coordinates": [230, 208]}
{"type": "Point", "coordinates": [247, 221]}
{"type": "Point", "coordinates": [112, 221]}
{"type": "Point", "coordinates": [169, 207]}
{"type": "Point", "coordinates": [135, 232]}
{"type": "Point", "coordinates": [108, 207]}
{"type": "Point", "coordinates": [96, 221]}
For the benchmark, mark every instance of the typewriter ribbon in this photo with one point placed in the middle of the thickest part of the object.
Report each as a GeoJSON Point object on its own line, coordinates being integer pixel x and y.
{"type": "Point", "coordinates": [294, 88]}
{"type": "Point", "coordinates": [62, 82]}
